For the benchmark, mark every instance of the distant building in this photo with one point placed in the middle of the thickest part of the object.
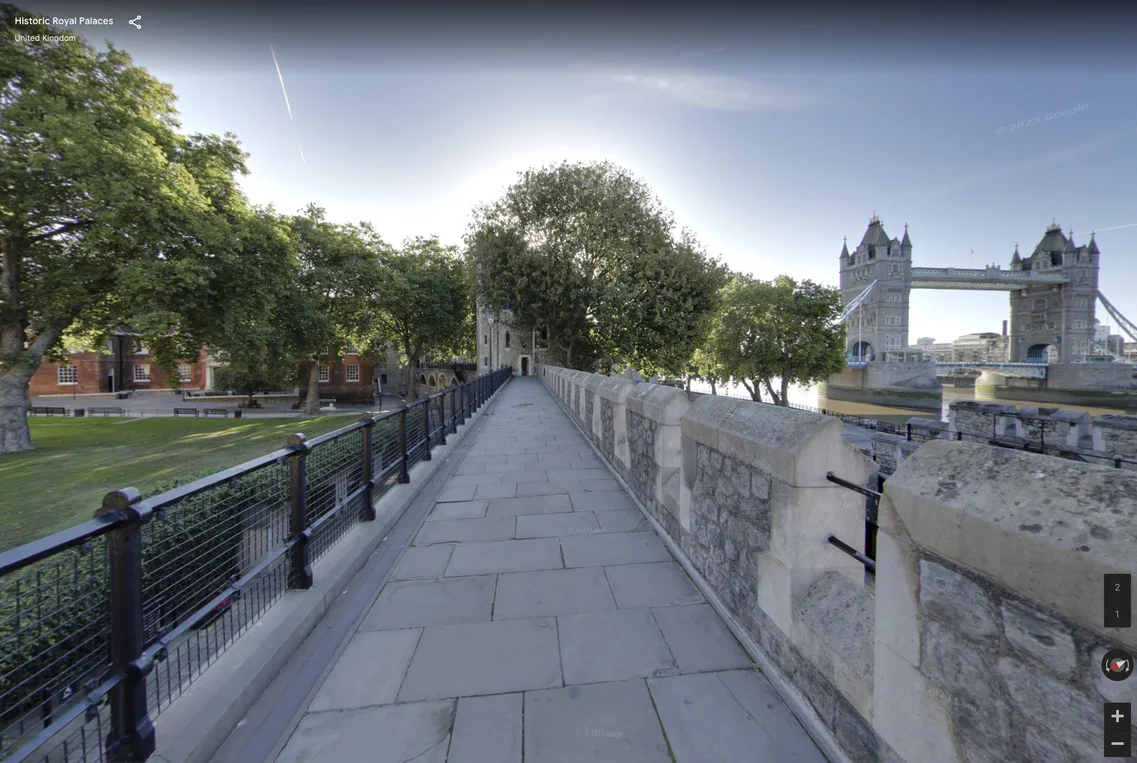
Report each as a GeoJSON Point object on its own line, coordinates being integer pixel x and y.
{"type": "Point", "coordinates": [501, 344]}
{"type": "Point", "coordinates": [985, 347]}
{"type": "Point", "coordinates": [925, 341]}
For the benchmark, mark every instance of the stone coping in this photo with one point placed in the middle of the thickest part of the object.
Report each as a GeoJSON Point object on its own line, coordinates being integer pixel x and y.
{"type": "Point", "coordinates": [1056, 414]}
{"type": "Point", "coordinates": [615, 389]}
{"type": "Point", "coordinates": [1047, 528]}
{"type": "Point", "coordinates": [979, 406]}
{"type": "Point", "coordinates": [793, 446]}
{"type": "Point", "coordinates": [1116, 421]}
{"type": "Point", "coordinates": [660, 403]}
{"type": "Point", "coordinates": [593, 382]}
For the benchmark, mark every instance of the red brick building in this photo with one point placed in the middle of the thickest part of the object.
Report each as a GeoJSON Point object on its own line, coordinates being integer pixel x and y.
{"type": "Point", "coordinates": [123, 363]}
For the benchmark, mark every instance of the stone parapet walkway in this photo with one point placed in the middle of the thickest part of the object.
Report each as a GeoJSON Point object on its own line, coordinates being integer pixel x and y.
{"type": "Point", "coordinates": [538, 617]}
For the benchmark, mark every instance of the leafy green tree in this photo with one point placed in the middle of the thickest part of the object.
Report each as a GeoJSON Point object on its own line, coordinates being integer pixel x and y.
{"type": "Point", "coordinates": [588, 253]}
{"type": "Point", "coordinates": [424, 303]}
{"type": "Point", "coordinates": [781, 329]}
{"type": "Point", "coordinates": [108, 215]}
{"type": "Point", "coordinates": [338, 270]}
{"type": "Point", "coordinates": [706, 367]}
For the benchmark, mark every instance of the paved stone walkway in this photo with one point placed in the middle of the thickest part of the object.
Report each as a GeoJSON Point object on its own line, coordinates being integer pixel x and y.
{"type": "Point", "coordinates": [538, 617]}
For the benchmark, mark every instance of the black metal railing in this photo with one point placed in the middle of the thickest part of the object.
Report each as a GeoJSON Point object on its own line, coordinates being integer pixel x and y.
{"type": "Point", "coordinates": [104, 624]}
{"type": "Point", "coordinates": [925, 433]}
{"type": "Point", "coordinates": [872, 504]}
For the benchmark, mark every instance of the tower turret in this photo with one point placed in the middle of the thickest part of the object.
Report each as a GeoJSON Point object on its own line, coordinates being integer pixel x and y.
{"type": "Point", "coordinates": [906, 243]}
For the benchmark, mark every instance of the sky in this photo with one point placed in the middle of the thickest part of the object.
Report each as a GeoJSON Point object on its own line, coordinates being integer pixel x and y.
{"type": "Point", "coordinates": [769, 137]}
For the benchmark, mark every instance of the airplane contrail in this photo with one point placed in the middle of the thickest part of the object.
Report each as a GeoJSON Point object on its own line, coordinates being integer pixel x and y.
{"type": "Point", "coordinates": [1116, 227]}
{"type": "Point", "coordinates": [287, 105]}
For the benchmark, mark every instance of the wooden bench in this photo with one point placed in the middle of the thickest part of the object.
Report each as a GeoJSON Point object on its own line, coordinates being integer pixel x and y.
{"type": "Point", "coordinates": [222, 412]}
{"type": "Point", "coordinates": [106, 411]}
{"type": "Point", "coordinates": [187, 412]}
{"type": "Point", "coordinates": [41, 410]}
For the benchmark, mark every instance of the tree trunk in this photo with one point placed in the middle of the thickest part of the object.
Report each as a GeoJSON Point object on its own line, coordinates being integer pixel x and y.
{"type": "Point", "coordinates": [770, 389]}
{"type": "Point", "coordinates": [785, 401]}
{"type": "Point", "coordinates": [412, 389]}
{"type": "Point", "coordinates": [688, 389]}
{"type": "Point", "coordinates": [714, 386]}
{"type": "Point", "coordinates": [312, 403]}
{"type": "Point", "coordinates": [15, 436]}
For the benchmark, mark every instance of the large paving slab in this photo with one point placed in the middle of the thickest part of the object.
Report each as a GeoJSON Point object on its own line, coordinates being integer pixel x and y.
{"type": "Point", "coordinates": [533, 504]}
{"type": "Point", "coordinates": [487, 730]}
{"type": "Point", "coordinates": [661, 584]}
{"type": "Point", "coordinates": [699, 639]}
{"type": "Point", "coordinates": [556, 525]}
{"type": "Point", "coordinates": [735, 715]}
{"type": "Point", "coordinates": [613, 646]}
{"type": "Point", "coordinates": [552, 592]}
{"type": "Point", "coordinates": [417, 603]}
{"type": "Point", "coordinates": [423, 562]}
{"type": "Point", "coordinates": [369, 672]}
{"type": "Point", "coordinates": [613, 548]}
{"type": "Point", "coordinates": [483, 658]}
{"type": "Point", "coordinates": [505, 556]}
{"type": "Point", "coordinates": [458, 530]}
{"type": "Point", "coordinates": [391, 734]}
{"type": "Point", "coordinates": [613, 722]}
{"type": "Point", "coordinates": [601, 501]}
{"type": "Point", "coordinates": [458, 510]}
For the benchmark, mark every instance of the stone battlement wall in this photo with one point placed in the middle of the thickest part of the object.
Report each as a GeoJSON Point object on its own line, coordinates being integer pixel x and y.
{"type": "Point", "coordinates": [979, 636]}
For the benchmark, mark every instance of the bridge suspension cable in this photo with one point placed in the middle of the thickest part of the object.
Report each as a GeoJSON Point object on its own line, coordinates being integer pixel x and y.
{"type": "Point", "coordinates": [857, 302]}
{"type": "Point", "coordinates": [1126, 325]}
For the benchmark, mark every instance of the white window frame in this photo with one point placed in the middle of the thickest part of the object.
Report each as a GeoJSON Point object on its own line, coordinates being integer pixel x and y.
{"type": "Point", "coordinates": [324, 374]}
{"type": "Point", "coordinates": [141, 377]}
{"type": "Point", "coordinates": [352, 371]}
{"type": "Point", "coordinates": [351, 350]}
{"type": "Point", "coordinates": [185, 372]}
{"type": "Point", "coordinates": [67, 372]}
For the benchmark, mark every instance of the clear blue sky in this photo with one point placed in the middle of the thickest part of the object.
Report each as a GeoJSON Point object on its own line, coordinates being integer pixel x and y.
{"type": "Point", "coordinates": [770, 139]}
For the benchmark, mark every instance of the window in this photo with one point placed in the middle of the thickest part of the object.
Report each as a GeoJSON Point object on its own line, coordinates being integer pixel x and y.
{"type": "Point", "coordinates": [544, 333]}
{"type": "Point", "coordinates": [1081, 302]}
{"type": "Point", "coordinates": [353, 373]}
{"type": "Point", "coordinates": [351, 350]}
{"type": "Point", "coordinates": [137, 348]}
{"type": "Point", "coordinates": [1040, 304]}
{"type": "Point", "coordinates": [67, 375]}
{"type": "Point", "coordinates": [487, 339]}
{"type": "Point", "coordinates": [1078, 324]}
{"type": "Point", "coordinates": [895, 268]}
{"type": "Point", "coordinates": [141, 373]}
{"type": "Point", "coordinates": [486, 361]}
{"type": "Point", "coordinates": [185, 372]}
{"type": "Point", "coordinates": [893, 296]}
{"type": "Point", "coordinates": [322, 374]}
{"type": "Point", "coordinates": [507, 340]}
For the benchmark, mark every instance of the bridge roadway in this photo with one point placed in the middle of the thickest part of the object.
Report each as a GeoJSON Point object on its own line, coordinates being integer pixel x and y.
{"type": "Point", "coordinates": [535, 613]}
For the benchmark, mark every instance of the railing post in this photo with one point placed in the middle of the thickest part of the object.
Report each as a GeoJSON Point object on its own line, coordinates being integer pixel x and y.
{"type": "Point", "coordinates": [368, 513]}
{"type": "Point", "coordinates": [404, 472]}
{"type": "Point", "coordinates": [454, 410]}
{"type": "Point", "coordinates": [300, 575]}
{"type": "Point", "coordinates": [426, 429]}
{"type": "Point", "coordinates": [908, 432]}
{"type": "Point", "coordinates": [442, 419]}
{"type": "Point", "coordinates": [131, 736]}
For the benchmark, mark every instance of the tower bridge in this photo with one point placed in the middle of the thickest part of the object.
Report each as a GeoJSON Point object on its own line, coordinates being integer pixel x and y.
{"type": "Point", "coordinates": [1053, 295]}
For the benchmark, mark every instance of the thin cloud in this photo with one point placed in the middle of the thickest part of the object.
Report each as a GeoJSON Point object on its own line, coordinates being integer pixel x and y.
{"type": "Point", "coordinates": [1049, 159]}
{"type": "Point", "coordinates": [720, 93]}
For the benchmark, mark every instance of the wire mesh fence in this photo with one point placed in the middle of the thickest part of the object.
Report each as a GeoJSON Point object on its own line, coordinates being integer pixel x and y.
{"type": "Point", "coordinates": [104, 625]}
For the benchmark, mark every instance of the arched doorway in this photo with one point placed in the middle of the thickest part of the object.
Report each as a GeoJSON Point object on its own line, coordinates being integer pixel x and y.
{"type": "Point", "coordinates": [1038, 353]}
{"type": "Point", "coordinates": [431, 385]}
{"type": "Point", "coordinates": [861, 352]}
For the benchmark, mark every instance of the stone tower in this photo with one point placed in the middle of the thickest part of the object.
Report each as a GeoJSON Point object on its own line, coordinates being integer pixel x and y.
{"type": "Point", "coordinates": [880, 326]}
{"type": "Point", "coordinates": [1055, 322]}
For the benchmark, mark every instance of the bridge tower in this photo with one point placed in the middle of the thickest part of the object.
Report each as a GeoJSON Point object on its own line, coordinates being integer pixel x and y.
{"type": "Point", "coordinates": [1055, 322]}
{"type": "Point", "coordinates": [880, 326]}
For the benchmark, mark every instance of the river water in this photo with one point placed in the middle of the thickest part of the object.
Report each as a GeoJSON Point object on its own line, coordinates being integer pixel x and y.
{"type": "Point", "coordinates": [811, 397]}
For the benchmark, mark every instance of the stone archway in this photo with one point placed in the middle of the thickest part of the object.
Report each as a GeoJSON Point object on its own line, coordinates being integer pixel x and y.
{"type": "Point", "coordinates": [431, 388]}
{"type": "Point", "coordinates": [861, 351]}
{"type": "Point", "coordinates": [1038, 353]}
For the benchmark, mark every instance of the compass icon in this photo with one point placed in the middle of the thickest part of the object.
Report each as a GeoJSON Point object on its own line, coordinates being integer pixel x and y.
{"type": "Point", "coordinates": [1117, 664]}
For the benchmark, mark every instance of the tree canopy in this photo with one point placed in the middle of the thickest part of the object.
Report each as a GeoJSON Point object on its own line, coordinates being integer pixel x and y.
{"type": "Point", "coordinates": [778, 330]}
{"type": "Point", "coordinates": [423, 304]}
{"type": "Point", "coordinates": [588, 253]}
{"type": "Point", "coordinates": [109, 215]}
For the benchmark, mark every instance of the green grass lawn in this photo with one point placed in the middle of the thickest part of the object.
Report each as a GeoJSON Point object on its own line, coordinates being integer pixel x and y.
{"type": "Point", "coordinates": [76, 462]}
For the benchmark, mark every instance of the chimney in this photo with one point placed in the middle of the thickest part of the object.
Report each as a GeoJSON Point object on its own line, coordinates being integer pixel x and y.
{"type": "Point", "coordinates": [1004, 329]}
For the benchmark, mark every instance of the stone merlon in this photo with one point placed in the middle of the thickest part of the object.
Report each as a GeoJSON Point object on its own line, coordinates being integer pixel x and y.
{"type": "Point", "coordinates": [1045, 527]}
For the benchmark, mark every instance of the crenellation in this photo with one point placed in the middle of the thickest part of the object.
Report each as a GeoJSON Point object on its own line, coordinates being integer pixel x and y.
{"type": "Point", "coordinates": [980, 638]}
